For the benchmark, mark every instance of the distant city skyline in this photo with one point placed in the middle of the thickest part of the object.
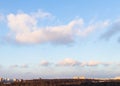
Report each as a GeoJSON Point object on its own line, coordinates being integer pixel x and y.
{"type": "Point", "coordinates": [59, 39]}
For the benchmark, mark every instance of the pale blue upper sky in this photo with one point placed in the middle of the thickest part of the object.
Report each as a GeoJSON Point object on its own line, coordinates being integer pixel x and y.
{"type": "Point", "coordinates": [59, 38]}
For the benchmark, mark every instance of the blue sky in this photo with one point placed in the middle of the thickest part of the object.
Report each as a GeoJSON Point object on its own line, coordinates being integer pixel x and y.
{"type": "Point", "coordinates": [59, 39]}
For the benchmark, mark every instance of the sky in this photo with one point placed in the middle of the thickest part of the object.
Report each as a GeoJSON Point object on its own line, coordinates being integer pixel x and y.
{"type": "Point", "coordinates": [59, 38]}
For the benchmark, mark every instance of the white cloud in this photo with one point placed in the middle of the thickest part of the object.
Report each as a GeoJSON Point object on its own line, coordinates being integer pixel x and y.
{"type": "Point", "coordinates": [72, 62]}
{"type": "Point", "coordinates": [24, 29]}
{"type": "Point", "coordinates": [24, 66]}
{"type": "Point", "coordinates": [90, 63]}
{"type": "Point", "coordinates": [93, 63]}
{"type": "Point", "coordinates": [107, 63]}
{"type": "Point", "coordinates": [68, 62]}
{"type": "Point", "coordinates": [14, 66]}
{"type": "Point", "coordinates": [92, 27]}
{"type": "Point", "coordinates": [41, 14]}
{"type": "Point", "coordinates": [45, 63]}
{"type": "Point", "coordinates": [21, 23]}
{"type": "Point", "coordinates": [19, 66]}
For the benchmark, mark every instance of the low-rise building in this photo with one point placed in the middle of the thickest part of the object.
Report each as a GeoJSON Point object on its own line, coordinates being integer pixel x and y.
{"type": "Point", "coordinates": [78, 77]}
{"type": "Point", "coordinates": [118, 77]}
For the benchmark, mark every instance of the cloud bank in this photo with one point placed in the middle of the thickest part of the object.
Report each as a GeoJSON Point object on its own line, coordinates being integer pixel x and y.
{"type": "Point", "coordinates": [31, 28]}
{"type": "Point", "coordinates": [67, 62]}
{"type": "Point", "coordinates": [24, 28]}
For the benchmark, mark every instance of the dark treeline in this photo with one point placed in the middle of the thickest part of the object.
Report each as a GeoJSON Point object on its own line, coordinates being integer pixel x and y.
{"type": "Point", "coordinates": [64, 82]}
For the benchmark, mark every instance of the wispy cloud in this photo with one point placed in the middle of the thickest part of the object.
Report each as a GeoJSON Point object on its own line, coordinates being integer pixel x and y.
{"type": "Point", "coordinates": [14, 66]}
{"type": "Point", "coordinates": [40, 14]}
{"type": "Point", "coordinates": [95, 63]}
{"type": "Point", "coordinates": [19, 66]}
{"type": "Point", "coordinates": [91, 27]}
{"type": "Point", "coordinates": [24, 66]}
{"type": "Point", "coordinates": [113, 30]}
{"type": "Point", "coordinates": [2, 17]}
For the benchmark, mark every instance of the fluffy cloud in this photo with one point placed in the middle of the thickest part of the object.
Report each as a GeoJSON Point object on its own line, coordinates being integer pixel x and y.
{"type": "Point", "coordinates": [68, 62]}
{"type": "Point", "coordinates": [25, 29]}
{"type": "Point", "coordinates": [93, 63]}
